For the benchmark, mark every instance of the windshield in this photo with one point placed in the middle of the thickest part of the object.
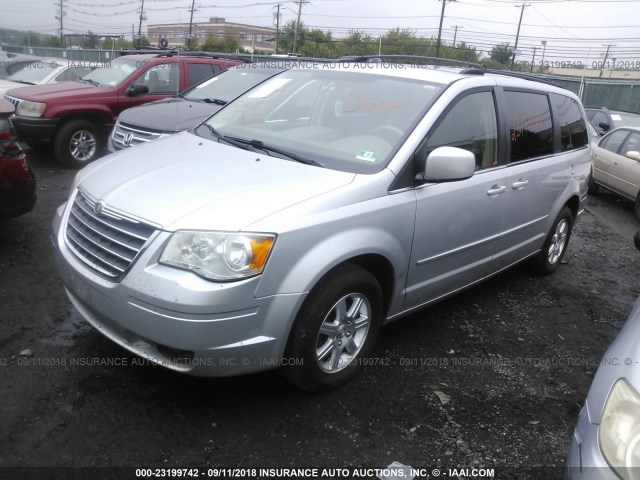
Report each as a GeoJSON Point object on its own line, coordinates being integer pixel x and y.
{"type": "Point", "coordinates": [625, 119]}
{"type": "Point", "coordinates": [114, 73]}
{"type": "Point", "coordinates": [340, 118]}
{"type": "Point", "coordinates": [228, 85]}
{"type": "Point", "coordinates": [34, 73]}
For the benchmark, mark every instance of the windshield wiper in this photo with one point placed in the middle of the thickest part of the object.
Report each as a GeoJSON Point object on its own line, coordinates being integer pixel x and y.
{"type": "Point", "coordinates": [216, 101]}
{"type": "Point", "coordinates": [22, 81]}
{"type": "Point", "coordinates": [91, 81]}
{"type": "Point", "coordinates": [259, 145]}
{"type": "Point", "coordinates": [229, 140]}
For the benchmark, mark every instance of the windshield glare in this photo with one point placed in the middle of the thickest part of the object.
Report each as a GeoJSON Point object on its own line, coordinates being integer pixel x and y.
{"type": "Point", "coordinates": [345, 120]}
{"type": "Point", "coordinates": [33, 73]}
{"type": "Point", "coordinates": [228, 85]}
{"type": "Point", "coordinates": [114, 73]}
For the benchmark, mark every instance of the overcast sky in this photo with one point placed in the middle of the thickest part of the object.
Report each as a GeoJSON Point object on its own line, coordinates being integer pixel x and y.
{"type": "Point", "coordinates": [577, 30]}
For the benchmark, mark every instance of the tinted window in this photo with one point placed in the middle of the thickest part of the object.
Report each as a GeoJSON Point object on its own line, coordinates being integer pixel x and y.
{"type": "Point", "coordinates": [599, 118]}
{"type": "Point", "coordinates": [573, 129]}
{"type": "Point", "coordinates": [470, 125]}
{"type": "Point", "coordinates": [163, 78]}
{"type": "Point", "coordinates": [613, 141]}
{"type": "Point", "coordinates": [199, 72]}
{"type": "Point", "coordinates": [530, 128]}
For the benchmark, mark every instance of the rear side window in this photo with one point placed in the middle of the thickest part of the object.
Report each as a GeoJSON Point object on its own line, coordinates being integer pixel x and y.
{"type": "Point", "coordinates": [573, 129]}
{"type": "Point", "coordinates": [198, 72]}
{"type": "Point", "coordinates": [530, 127]}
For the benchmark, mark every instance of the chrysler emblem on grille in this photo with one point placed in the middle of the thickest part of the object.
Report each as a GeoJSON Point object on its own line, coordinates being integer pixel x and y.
{"type": "Point", "coordinates": [98, 207]}
{"type": "Point", "coordinates": [126, 140]}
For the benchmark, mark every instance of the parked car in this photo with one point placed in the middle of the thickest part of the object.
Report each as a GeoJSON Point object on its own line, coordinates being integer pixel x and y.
{"type": "Point", "coordinates": [605, 120]}
{"type": "Point", "coordinates": [316, 207]}
{"type": "Point", "coordinates": [47, 70]}
{"type": "Point", "coordinates": [616, 165]}
{"type": "Point", "coordinates": [164, 117]}
{"type": "Point", "coordinates": [10, 63]}
{"type": "Point", "coordinates": [17, 181]}
{"type": "Point", "coordinates": [77, 117]}
{"type": "Point", "coordinates": [606, 441]}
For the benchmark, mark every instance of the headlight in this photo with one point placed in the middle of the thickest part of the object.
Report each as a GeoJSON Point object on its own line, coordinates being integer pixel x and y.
{"type": "Point", "coordinates": [31, 109]}
{"type": "Point", "coordinates": [619, 432]}
{"type": "Point", "coordinates": [219, 255]}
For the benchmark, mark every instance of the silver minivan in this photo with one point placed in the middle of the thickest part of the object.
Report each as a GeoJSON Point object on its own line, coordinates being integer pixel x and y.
{"type": "Point", "coordinates": [286, 229]}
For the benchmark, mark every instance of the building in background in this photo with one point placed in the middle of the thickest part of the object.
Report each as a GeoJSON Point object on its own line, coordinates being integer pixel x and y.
{"type": "Point", "coordinates": [251, 37]}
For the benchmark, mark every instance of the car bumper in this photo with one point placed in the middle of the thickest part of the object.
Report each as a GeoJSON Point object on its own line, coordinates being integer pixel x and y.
{"type": "Point", "coordinates": [585, 460]}
{"type": "Point", "coordinates": [34, 130]}
{"type": "Point", "coordinates": [18, 187]}
{"type": "Point", "coordinates": [176, 319]}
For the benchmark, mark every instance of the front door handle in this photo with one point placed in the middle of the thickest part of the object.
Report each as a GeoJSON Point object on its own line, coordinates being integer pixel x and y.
{"type": "Point", "coordinates": [497, 190]}
{"type": "Point", "coordinates": [520, 184]}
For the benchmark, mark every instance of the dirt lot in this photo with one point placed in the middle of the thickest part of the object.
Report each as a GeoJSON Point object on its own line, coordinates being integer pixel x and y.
{"type": "Point", "coordinates": [492, 378]}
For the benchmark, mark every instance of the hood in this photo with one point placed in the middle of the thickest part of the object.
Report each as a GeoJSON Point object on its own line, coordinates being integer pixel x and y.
{"type": "Point", "coordinates": [169, 115]}
{"type": "Point", "coordinates": [188, 182]}
{"type": "Point", "coordinates": [6, 85]}
{"type": "Point", "coordinates": [621, 360]}
{"type": "Point", "coordinates": [59, 91]}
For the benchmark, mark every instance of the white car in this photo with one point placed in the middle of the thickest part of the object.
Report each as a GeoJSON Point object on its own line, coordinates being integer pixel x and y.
{"type": "Point", "coordinates": [616, 164]}
{"type": "Point", "coordinates": [46, 70]}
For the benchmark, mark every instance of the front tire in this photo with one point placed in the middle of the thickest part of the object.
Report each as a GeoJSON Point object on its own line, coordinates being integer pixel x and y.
{"type": "Point", "coordinates": [78, 143]}
{"type": "Point", "coordinates": [636, 207]}
{"type": "Point", "coordinates": [335, 329]}
{"type": "Point", "coordinates": [555, 245]}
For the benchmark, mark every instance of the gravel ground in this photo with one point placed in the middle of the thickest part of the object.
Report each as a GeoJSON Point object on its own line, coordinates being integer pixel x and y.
{"type": "Point", "coordinates": [492, 378]}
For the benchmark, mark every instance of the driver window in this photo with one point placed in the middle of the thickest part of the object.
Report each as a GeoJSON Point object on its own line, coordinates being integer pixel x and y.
{"type": "Point", "coordinates": [471, 125]}
{"type": "Point", "coordinates": [162, 78]}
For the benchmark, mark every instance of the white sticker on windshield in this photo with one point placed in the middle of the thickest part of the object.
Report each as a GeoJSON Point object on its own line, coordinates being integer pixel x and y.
{"type": "Point", "coordinates": [367, 155]}
{"type": "Point", "coordinates": [616, 117]}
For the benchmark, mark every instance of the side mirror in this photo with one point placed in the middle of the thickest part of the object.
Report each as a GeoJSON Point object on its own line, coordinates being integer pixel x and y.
{"type": "Point", "coordinates": [449, 164]}
{"type": "Point", "coordinates": [604, 126]}
{"type": "Point", "coordinates": [633, 155]}
{"type": "Point", "coordinates": [136, 89]}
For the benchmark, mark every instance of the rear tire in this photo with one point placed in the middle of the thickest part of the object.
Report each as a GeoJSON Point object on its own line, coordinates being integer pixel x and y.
{"type": "Point", "coordinates": [335, 329]}
{"type": "Point", "coordinates": [555, 245]}
{"type": "Point", "coordinates": [78, 143]}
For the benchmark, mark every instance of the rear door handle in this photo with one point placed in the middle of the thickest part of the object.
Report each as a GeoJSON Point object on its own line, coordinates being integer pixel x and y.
{"type": "Point", "coordinates": [497, 190]}
{"type": "Point", "coordinates": [520, 184]}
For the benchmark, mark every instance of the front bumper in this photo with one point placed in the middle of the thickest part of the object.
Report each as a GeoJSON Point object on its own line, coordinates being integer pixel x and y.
{"type": "Point", "coordinates": [34, 130]}
{"type": "Point", "coordinates": [176, 319]}
{"type": "Point", "coordinates": [585, 460]}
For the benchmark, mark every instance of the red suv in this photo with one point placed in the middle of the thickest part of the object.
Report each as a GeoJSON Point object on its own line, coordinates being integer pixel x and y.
{"type": "Point", "coordinates": [76, 117]}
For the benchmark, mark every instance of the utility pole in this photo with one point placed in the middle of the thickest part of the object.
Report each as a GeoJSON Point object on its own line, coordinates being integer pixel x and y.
{"type": "Point", "coordinates": [140, 24]}
{"type": "Point", "coordinates": [513, 58]}
{"type": "Point", "coordinates": [189, 35]}
{"type": "Point", "coordinates": [533, 60]}
{"type": "Point", "coordinates": [455, 34]}
{"type": "Point", "coordinates": [444, 2]}
{"type": "Point", "coordinates": [60, 16]}
{"type": "Point", "coordinates": [277, 26]}
{"type": "Point", "coordinates": [295, 32]}
{"type": "Point", "coordinates": [606, 55]}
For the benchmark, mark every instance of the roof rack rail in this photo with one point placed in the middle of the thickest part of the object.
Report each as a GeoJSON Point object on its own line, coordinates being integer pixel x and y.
{"type": "Point", "coordinates": [381, 58]}
{"type": "Point", "coordinates": [159, 52]}
{"type": "Point", "coordinates": [522, 75]}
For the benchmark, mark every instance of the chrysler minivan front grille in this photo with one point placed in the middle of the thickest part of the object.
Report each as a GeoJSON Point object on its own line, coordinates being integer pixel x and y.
{"type": "Point", "coordinates": [105, 241]}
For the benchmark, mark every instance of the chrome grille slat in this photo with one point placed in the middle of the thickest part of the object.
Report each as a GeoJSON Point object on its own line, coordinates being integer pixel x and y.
{"type": "Point", "coordinates": [107, 242]}
{"type": "Point", "coordinates": [138, 136]}
{"type": "Point", "coordinates": [115, 254]}
{"type": "Point", "coordinates": [122, 244]}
